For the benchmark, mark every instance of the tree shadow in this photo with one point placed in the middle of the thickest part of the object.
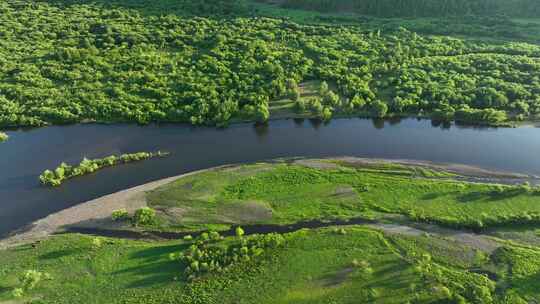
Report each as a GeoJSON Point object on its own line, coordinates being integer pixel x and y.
{"type": "Point", "coordinates": [153, 266]}
{"type": "Point", "coordinates": [489, 195]}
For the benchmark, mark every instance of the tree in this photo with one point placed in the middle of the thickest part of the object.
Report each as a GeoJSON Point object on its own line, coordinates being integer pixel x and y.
{"type": "Point", "coordinates": [331, 99]}
{"type": "Point", "coordinates": [144, 216]}
{"type": "Point", "coordinates": [323, 88]}
{"type": "Point", "coordinates": [262, 114]}
{"type": "Point", "coordinates": [326, 114]}
{"type": "Point", "coordinates": [378, 109]}
{"type": "Point", "coordinates": [239, 231]}
{"type": "Point", "coordinates": [358, 102]}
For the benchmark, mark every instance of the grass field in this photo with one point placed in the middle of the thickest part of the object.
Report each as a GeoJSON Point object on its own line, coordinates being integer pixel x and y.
{"type": "Point", "coordinates": [287, 193]}
{"type": "Point", "coordinates": [315, 266]}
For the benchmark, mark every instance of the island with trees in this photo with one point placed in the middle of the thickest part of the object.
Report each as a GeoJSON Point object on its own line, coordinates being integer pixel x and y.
{"type": "Point", "coordinates": [86, 166]}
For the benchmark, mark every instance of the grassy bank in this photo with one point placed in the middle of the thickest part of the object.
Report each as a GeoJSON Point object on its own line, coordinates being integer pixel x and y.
{"type": "Point", "coordinates": [287, 193]}
{"type": "Point", "coordinates": [315, 266]}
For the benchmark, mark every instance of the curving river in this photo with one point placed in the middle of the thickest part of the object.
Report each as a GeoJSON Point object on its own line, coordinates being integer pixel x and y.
{"type": "Point", "coordinates": [27, 153]}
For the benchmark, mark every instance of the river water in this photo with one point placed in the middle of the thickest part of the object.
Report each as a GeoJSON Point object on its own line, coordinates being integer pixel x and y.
{"type": "Point", "coordinates": [27, 153]}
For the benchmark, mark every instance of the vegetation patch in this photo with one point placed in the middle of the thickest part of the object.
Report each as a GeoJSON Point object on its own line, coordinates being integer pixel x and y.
{"type": "Point", "coordinates": [288, 193]}
{"type": "Point", "coordinates": [134, 61]}
{"type": "Point", "coordinates": [313, 266]}
{"type": "Point", "coordinates": [87, 166]}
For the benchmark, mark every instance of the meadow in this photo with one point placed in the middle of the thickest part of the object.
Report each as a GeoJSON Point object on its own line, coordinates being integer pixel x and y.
{"type": "Point", "coordinates": [287, 193]}
{"type": "Point", "coordinates": [314, 266]}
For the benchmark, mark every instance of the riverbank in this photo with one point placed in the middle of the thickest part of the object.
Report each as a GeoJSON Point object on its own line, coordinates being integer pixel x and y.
{"type": "Point", "coordinates": [95, 215]}
{"type": "Point", "coordinates": [334, 225]}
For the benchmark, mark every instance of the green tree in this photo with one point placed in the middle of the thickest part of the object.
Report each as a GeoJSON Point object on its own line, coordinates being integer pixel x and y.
{"type": "Point", "coordinates": [378, 109]}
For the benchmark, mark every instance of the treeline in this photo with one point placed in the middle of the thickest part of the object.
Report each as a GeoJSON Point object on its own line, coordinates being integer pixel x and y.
{"type": "Point", "coordinates": [90, 63]}
{"type": "Point", "coordinates": [86, 166]}
{"type": "Point", "coordinates": [421, 8]}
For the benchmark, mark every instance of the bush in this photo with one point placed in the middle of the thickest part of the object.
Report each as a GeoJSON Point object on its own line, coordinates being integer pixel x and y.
{"type": "Point", "coordinates": [3, 136]}
{"type": "Point", "coordinates": [30, 279]}
{"type": "Point", "coordinates": [120, 215]}
{"type": "Point", "coordinates": [144, 216]}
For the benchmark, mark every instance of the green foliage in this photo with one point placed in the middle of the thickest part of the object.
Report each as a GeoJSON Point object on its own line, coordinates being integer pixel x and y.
{"type": "Point", "coordinates": [203, 257]}
{"type": "Point", "coordinates": [87, 166]}
{"type": "Point", "coordinates": [3, 136]}
{"type": "Point", "coordinates": [144, 216]}
{"type": "Point", "coordinates": [378, 108]}
{"type": "Point", "coordinates": [239, 231]}
{"type": "Point", "coordinates": [119, 65]}
{"type": "Point", "coordinates": [290, 193]}
{"type": "Point", "coordinates": [120, 215]}
{"type": "Point", "coordinates": [308, 266]}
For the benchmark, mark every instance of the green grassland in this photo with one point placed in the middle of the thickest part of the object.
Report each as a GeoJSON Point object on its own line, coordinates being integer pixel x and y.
{"type": "Point", "coordinates": [288, 193]}
{"type": "Point", "coordinates": [356, 265]}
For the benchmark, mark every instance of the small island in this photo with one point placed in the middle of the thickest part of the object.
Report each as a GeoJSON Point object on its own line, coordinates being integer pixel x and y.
{"type": "Point", "coordinates": [86, 166]}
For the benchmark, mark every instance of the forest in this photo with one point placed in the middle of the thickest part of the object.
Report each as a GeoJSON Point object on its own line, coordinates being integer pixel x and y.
{"type": "Point", "coordinates": [93, 63]}
{"type": "Point", "coordinates": [67, 62]}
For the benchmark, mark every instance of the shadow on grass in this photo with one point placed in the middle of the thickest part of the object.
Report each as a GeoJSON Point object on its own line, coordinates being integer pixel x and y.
{"type": "Point", "coordinates": [489, 195]}
{"type": "Point", "coordinates": [59, 254]}
{"type": "Point", "coordinates": [153, 266]}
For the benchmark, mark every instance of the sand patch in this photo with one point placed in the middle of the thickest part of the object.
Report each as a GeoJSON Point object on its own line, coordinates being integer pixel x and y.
{"type": "Point", "coordinates": [245, 212]}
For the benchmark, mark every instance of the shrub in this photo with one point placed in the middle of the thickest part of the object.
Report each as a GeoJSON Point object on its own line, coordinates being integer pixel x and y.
{"type": "Point", "coordinates": [30, 279]}
{"type": "Point", "coordinates": [144, 216]}
{"type": "Point", "coordinates": [120, 215]}
{"type": "Point", "coordinates": [239, 231]}
{"type": "Point", "coordinates": [3, 136]}
{"type": "Point", "coordinates": [97, 242]}
{"type": "Point", "coordinates": [18, 292]}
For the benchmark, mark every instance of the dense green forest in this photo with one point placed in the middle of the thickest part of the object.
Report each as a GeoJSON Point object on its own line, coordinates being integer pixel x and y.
{"type": "Point", "coordinates": [422, 8]}
{"type": "Point", "coordinates": [66, 62]}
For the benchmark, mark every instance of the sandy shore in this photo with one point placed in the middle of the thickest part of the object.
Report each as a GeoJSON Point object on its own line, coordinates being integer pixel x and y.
{"type": "Point", "coordinates": [91, 214]}
{"type": "Point", "coordinates": [97, 213]}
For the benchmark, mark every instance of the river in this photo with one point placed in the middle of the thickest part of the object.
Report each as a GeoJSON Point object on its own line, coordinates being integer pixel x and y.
{"type": "Point", "coordinates": [27, 153]}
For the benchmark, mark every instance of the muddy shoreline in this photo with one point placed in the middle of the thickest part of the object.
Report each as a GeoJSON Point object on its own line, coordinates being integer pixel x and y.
{"type": "Point", "coordinates": [93, 217]}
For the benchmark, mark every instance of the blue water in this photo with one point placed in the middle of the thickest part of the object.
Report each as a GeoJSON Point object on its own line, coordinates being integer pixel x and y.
{"type": "Point", "coordinates": [28, 153]}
